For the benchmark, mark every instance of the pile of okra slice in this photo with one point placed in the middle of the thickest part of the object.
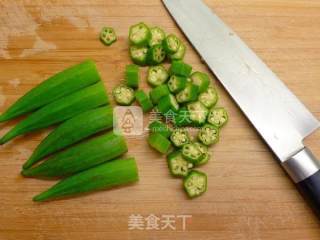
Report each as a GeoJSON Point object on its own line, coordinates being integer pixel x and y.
{"type": "Point", "coordinates": [188, 97]}
{"type": "Point", "coordinates": [76, 102]}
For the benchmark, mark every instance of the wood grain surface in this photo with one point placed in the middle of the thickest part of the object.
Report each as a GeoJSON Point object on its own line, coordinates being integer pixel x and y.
{"type": "Point", "coordinates": [249, 196]}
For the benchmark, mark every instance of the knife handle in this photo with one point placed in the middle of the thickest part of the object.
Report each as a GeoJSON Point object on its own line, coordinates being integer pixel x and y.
{"type": "Point", "coordinates": [303, 168]}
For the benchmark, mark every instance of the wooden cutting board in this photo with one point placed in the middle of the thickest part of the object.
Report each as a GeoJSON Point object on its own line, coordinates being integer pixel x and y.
{"type": "Point", "coordinates": [249, 196]}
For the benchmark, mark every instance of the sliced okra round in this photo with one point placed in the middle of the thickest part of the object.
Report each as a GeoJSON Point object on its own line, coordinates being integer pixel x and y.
{"type": "Point", "coordinates": [159, 142]}
{"type": "Point", "coordinates": [209, 97]}
{"type": "Point", "coordinates": [160, 127]}
{"type": "Point", "coordinates": [205, 152]}
{"type": "Point", "coordinates": [188, 94]}
{"type": "Point", "coordinates": [171, 44]}
{"type": "Point", "coordinates": [139, 34]}
{"type": "Point", "coordinates": [157, 75]}
{"type": "Point", "coordinates": [180, 68]}
{"type": "Point", "coordinates": [156, 54]}
{"type": "Point", "coordinates": [218, 117]}
{"type": "Point", "coordinates": [197, 113]}
{"type": "Point", "coordinates": [208, 134]}
{"type": "Point", "coordinates": [123, 95]}
{"type": "Point", "coordinates": [179, 137]}
{"type": "Point", "coordinates": [182, 118]}
{"type": "Point", "coordinates": [139, 55]}
{"type": "Point", "coordinates": [132, 75]}
{"type": "Point", "coordinates": [179, 55]}
{"type": "Point", "coordinates": [168, 103]}
{"type": "Point", "coordinates": [201, 80]}
{"type": "Point", "coordinates": [157, 36]}
{"type": "Point", "coordinates": [108, 35]}
{"type": "Point", "coordinates": [178, 166]}
{"type": "Point", "coordinates": [195, 184]}
{"type": "Point", "coordinates": [158, 92]}
{"type": "Point", "coordinates": [192, 153]}
{"type": "Point", "coordinates": [176, 83]}
{"type": "Point", "coordinates": [143, 100]}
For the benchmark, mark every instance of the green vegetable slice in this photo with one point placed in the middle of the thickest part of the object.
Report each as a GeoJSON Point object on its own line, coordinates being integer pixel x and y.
{"type": "Point", "coordinates": [72, 131]}
{"type": "Point", "coordinates": [179, 55]}
{"type": "Point", "coordinates": [59, 85]}
{"type": "Point", "coordinates": [60, 110]}
{"type": "Point", "coordinates": [188, 94]}
{"type": "Point", "coordinates": [156, 55]}
{"type": "Point", "coordinates": [143, 100]}
{"type": "Point", "coordinates": [209, 98]}
{"type": "Point", "coordinates": [139, 34]}
{"type": "Point", "coordinates": [160, 127]}
{"type": "Point", "coordinates": [159, 142]}
{"type": "Point", "coordinates": [201, 80]}
{"type": "Point", "coordinates": [192, 153]}
{"type": "Point", "coordinates": [80, 157]}
{"type": "Point", "coordinates": [171, 44]}
{"type": "Point", "coordinates": [132, 76]}
{"type": "Point", "coordinates": [180, 68]}
{"type": "Point", "coordinates": [197, 113]}
{"type": "Point", "coordinates": [123, 95]}
{"type": "Point", "coordinates": [157, 36]}
{"type": "Point", "coordinates": [168, 103]}
{"type": "Point", "coordinates": [195, 184]}
{"type": "Point", "coordinates": [157, 75]}
{"type": "Point", "coordinates": [178, 166]}
{"type": "Point", "coordinates": [208, 134]}
{"type": "Point", "coordinates": [139, 55]}
{"type": "Point", "coordinates": [158, 92]}
{"type": "Point", "coordinates": [108, 35]}
{"type": "Point", "coordinates": [218, 117]}
{"type": "Point", "coordinates": [182, 118]}
{"type": "Point", "coordinates": [180, 137]}
{"type": "Point", "coordinates": [205, 152]}
{"type": "Point", "coordinates": [104, 176]}
{"type": "Point", "coordinates": [176, 83]}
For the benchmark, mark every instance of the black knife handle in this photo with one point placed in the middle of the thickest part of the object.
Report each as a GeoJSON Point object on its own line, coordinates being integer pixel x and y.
{"type": "Point", "coordinates": [304, 169]}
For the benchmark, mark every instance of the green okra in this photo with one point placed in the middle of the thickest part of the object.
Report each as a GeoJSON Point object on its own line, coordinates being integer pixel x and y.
{"type": "Point", "coordinates": [157, 75]}
{"type": "Point", "coordinates": [178, 166]}
{"type": "Point", "coordinates": [179, 137]}
{"type": "Point", "coordinates": [156, 55]}
{"type": "Point", "coordinates": [139, 34]}
{"type": "Point", "coordinates": [192, 153]}
{"type": "Point", "coordinates": [108, 35]}
{"type": "Point", "coordinates": [195, 184]}
{"type": "Point", "coordinates": [72, 131]}
{"type": "Point", "coordinates": [123, 95]}
{"type": "Point", "coordinates": [201, 80]}
{"type": "Point", "coordinates": [205, 152]}
{"type": "Point", "coordinates": [159, 142]}
{"type": "Point", "coordinates": [209, 97]}
{"type": "Point", "coordinates": [180, 68]}
{"type": "Point", "coordinates": [132, 76]}
{"type": "Point", "coordinates": [143, 100]}
{"type": "Point", "coordinates": [168, 103]}
{"type": "Point", "coordinates": [157, 36]}
{"type": "Point", "coordinates": [176, 83]}
{"type": "Point", "coordinates": [60, 110]}
{"type": "Point", "coordinates": [218, 117]}
{"type": "Point", "coordinates": [160, 127]}
{"type": "Point", "coordinates": [182, 118]}
{"type": "Point", "coordinates": [59, 85]}
{"type": "Point", "coordinates": [139, 55]}
{"type": "Point", "coordinates": [188, 94]}
{"type": "Point", "coordinates": [171, 44]}
{"type": "Point", "coordinates": [115, 173]}
{"type": "Point", "coordinates": [208, 134]}
{"type": "Point", "coordinates": [80, 157]}
{"type": "Point", "coordinates": [197, 113]}
{"type": "Point", "coordinates": [158, 92]}
{"type": "Point", "coordinates": [178, 55]}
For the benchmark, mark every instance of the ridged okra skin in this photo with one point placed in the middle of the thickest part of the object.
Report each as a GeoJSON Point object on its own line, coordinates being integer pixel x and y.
{"type": "Point", "coordinates": [115, 173]}
{"type": "Point", "coordinates": [59, 85]}
{"type": "Point", "coordinates": [72, 131]}
{"type": "Point", "coordinates": [80, 157]}
{"type": "Point", "coordinates": [60, 110]}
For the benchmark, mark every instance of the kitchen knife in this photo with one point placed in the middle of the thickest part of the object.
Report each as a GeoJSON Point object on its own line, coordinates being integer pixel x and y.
{"type": "Point", "coordinates": [276, 113]}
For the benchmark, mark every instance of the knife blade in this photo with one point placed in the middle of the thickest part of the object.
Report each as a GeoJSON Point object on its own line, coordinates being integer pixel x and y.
{"type": "Point", "coordinates": [276, 113]}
